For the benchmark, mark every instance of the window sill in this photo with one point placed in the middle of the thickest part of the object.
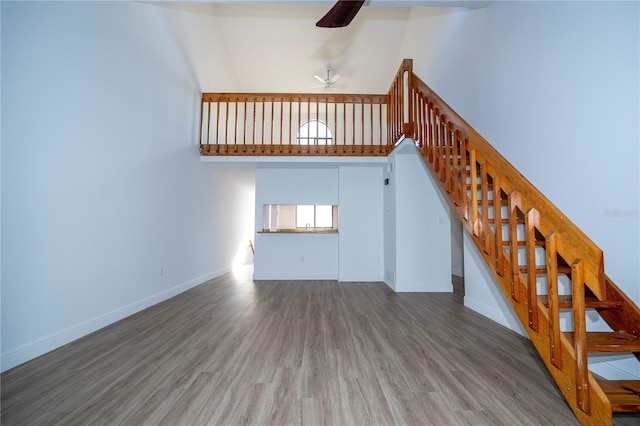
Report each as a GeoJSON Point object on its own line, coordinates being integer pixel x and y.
{"type": "Point", "coordinates": [301, 231]}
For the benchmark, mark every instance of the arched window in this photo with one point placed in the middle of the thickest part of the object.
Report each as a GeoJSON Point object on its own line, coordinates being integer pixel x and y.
{"type": "Point", "coordinates": [315, 132]}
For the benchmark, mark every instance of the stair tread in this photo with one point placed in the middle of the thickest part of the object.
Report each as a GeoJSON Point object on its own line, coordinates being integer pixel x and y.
{"type": "Point", "coordinates": [507, 220]}
{"type": "Point", "coordinates": [624, 395]}
{"type": "Point", "coordinates": [540, 270]}
{"type": "Point", "coordinates": [524, 243]}
{"type": "Point", "coordinates": [610, 341]}
{"type": "Point", "coordinates": [565, 301]}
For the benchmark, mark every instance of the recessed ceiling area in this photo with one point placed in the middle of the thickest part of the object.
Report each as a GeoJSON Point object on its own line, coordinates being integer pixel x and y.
{"type": "Point", "coordinates": [275, 46]}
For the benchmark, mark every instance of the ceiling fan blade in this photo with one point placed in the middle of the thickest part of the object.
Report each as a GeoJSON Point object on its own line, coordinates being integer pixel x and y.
{"type": "Point", "coordinates": [320, 79]}
{"type": "Point", "coordinates": [341, 14]}
{"type": "Point", "coordinates": [335, 78]}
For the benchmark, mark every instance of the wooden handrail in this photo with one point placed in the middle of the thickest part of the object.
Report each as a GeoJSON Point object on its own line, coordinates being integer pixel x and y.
{"type": "Point", "coordinates": [572, 242]}
{"type": "Point", "coordinates": [295, 97]}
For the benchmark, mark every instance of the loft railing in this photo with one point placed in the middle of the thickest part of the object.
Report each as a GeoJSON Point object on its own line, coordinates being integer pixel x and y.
{"type": "Point", "coordinates": [269, 124]}
{"type": "Point", "coordinates": [543, 262]}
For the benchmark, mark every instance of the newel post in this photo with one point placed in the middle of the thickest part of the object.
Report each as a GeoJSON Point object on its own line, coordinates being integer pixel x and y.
{"type": "Point", "coordinates": [407, 130]}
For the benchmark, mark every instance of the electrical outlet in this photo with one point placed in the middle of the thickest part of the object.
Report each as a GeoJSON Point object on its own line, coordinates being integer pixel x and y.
{"type": "Point", "coordinates": [161, 271]}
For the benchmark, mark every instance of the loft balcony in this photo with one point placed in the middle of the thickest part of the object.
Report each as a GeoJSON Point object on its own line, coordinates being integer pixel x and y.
{"type": "Point", "coordinates": [312, 124]}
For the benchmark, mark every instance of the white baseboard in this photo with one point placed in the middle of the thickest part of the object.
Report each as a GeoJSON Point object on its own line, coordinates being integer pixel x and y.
{"type": "Point", "coordinates": [34, 349]}
{"type": "Point", "coordinates": [290, 277]}
{"type": "Point", "coordinates": [611, 371]}
{"type": "Point", "coordinates": [615, 366]}
{"type": "Point", "coordinates": [495, 315]}
{"type": "Point", "coordinates": [360, 278]}
{"type": "Point", "coordinates": [390, 284]}
{"type": "Point", "coordinates": [423, 288]}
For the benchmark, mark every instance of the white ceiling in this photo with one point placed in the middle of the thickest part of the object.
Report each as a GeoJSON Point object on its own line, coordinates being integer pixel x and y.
{"type": "Point", "coordinates": [275, 46]}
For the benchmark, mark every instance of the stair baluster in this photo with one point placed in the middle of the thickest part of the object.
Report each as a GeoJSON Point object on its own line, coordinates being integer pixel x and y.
{"type": "Point", "coordinates": [552, 295]}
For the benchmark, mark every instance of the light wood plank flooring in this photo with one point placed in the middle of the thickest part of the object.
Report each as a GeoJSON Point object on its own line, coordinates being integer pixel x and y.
{"type": "Point", "coordinates": [232, 351]}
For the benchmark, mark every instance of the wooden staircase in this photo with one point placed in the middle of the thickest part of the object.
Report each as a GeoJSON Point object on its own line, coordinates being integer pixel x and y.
{"type": "Point", "coordinates": [550, 271]}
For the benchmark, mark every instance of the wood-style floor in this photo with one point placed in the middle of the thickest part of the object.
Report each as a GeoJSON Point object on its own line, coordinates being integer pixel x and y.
{"type": "Point", "coordinates": [232, 351]}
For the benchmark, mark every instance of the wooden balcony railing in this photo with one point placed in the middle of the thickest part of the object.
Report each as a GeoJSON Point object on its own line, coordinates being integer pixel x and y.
{"type": "Point", "coordinates": [268, 124]}
{"type": "Point", "coordinates": [543, 262]}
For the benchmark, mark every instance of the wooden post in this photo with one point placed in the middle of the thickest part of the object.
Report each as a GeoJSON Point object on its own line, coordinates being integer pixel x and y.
{"type": "Point", "coordinates": [484, 189]}
{"type": "Point", "coordinates": [513, 201]}
{"type": "Point", "coordinates": [551, 251]}
{"type": "Point", "coordinates": [474, 193]}
{"type": "Point", "coordinates": [580, 335]}
{"type": "Point", "coordinates": [201, 118]}
{"type": "Point", "coordinates": [464, 178]}
{"type": "Point", "coordinates": [497, 221]}
{"type": "Point", "coordinates": [531, 221]}
{"type": "Point", "coordinates": [407, 130]}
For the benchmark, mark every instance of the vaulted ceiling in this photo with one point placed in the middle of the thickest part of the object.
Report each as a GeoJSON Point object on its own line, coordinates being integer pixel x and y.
{"type": "Point", "coordinates": [274, 46]}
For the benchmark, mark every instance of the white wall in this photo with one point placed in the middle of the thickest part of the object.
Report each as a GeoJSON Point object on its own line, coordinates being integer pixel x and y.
{"type": "Point", "coordinates": [361, 224]}
{"type": "Point", "coordinates": [457, 245]}
{"type": "Point", "coordinates": [554, 86]}
{"type": "Point", "coordinates": [354, 254]}
{"type": "Point", "coordinates": [295, 256]}
{"type": "Point", "coordinates": [1, 186]}
{"type": "Point", "coordinates": [102, 185]}
{"type": "Point", "coordinates": [281, 256]}
{"type": "Point", "coordinates": [422, 229]}
{"type": "Point", "coordinates": [482, 293]}
{"type": "Point", "coordinates": [389, 219]}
